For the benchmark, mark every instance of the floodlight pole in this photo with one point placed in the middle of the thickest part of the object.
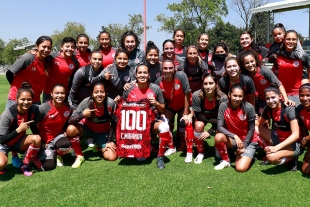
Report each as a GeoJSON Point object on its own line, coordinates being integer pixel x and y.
{"type": "Point", "coordinates": [144, 26]}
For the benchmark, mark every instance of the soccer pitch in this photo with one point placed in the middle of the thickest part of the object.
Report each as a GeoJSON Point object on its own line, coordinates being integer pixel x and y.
{"type": "Point", "coordinates": [128, 182]}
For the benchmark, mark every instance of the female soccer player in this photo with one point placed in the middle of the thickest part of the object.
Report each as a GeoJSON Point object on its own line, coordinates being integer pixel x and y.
{"type": "Point", "coordinates": [14, 123]}
{"type": "Point", "coordinates": [246, 42]}
{"type": "Point", "coordinates": [51, 124]}
{"type": "Point", "coordinates": [291, 72]}
{"type": "Point", "coordinates": [169, 53]}
{"type": "Point", "coordinates": [32, 69]}
{"type": "Point", "coordinates": [194, 67]}
{"type": "Point", "coordinates": [176, 91]}
{"type": "Point", "coordinates": [283, 138]}
{"type": "Point", "coordinates": [130, 42]}
{"type": "Point", "coordinates": [142, 89]}
{"type": "Point", "coordinates": [304, 116]}
{"type": "Point", "coordinates": [82, 53]}
{"type": "Point", "coordinates": [64, 65]}
{"type": "Point", "coordinates": [232, 69]}
{"type": "Point", "coordinates": [178, 38]}
{"type": "Point", "coordinates": [118, 75]}
{"type": "Point", "coordinates": [81, 84]}
{"type": "Point", "coordinates": [203, 42]}
{"type": "Point", "coordinates": [236, 129]}
{"type": "Point", "coordinates": [93, 118]}
{"type": "Point", "coordinates": [206, 102]}
{"type": "Point", "coordinates": [220, 54]}
{"type": "Point", "coordinates": [108, 52]}
{"type": "Point", "coordinates": [262, 77]}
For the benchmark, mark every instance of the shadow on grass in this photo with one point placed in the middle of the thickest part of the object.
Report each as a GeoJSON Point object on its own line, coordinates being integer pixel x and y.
{"type": "Point", "coordinates": [134, 161]}
{"type": "Point", "coordinates": [10, 173]}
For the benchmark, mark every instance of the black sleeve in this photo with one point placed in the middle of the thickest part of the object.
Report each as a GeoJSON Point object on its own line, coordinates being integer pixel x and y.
{"type": "Point", "coordinates": [290, 55]}
{"type": "Point", "coordinates": [37, 118]}
{"type": "Point", "coordinates": [201, 117]}
{"type": "Point", "coordinates": [5, 123]}
{"type": "Point", "coordinates": [6, 138]}
{"type": "Point", "coordinates": [222, 129]}
{"type": "Point", "coordinates": [264, 52]}
{"type": "Point", "coordinates": [9, 76]}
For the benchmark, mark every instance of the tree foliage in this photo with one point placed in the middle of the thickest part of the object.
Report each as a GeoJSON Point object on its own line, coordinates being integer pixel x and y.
{"type": "Point", "coordinates": [225, 32]}
{"type": "Point", "coordinates": [193, 16]}
{"type": "Point", "coordinates": [2, 45]}
{"type": "Point", "coordinates": [9, 55]}
{"type": "Point", "coordinates": [116, 30]}
{"type": "Point", "coordinates": [259, 27]}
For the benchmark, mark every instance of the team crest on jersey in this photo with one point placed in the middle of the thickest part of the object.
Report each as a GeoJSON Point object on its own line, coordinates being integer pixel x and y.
{"type": "Point", "coordinates": [296, 64]}
{"type": "Point", "coordinates": [56, 63]}
{"type": "Point", "coordinates": [157, 75]}
{"type": "Point", "coordinates": [137, 60]}
{"type": "Point", "coordinates": [113, 55]}
{"type": "Point", "coordinates": [263, 81]}
{"type": "Point", "coordinates": [71, 66]}
{"type": "Point", "coordinates": [33, 69]}
{"type": "Point", "coordinates": [242, 117]}
{"type": "Point", "coordinates": [176, 86]}
{"type": "Point", "coordinates": [150, 95]}
{"type": "Point", "coordinates": [67, 113]}
{"type": "Point", "coordinates": [126, 78]}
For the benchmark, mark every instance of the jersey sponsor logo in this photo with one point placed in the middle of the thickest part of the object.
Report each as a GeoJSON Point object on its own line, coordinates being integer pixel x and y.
{"type": "Point", "coordinates": [157, 75]}
{"type": "Point", "coordinates": [137, 60]}
{"type": "Point", "coordinates": [242, 117]}
{"type": "Point", "coordinates": [263, 81]}
{"type": "Point", "coordinates": [296, 64]}
{"type": "Point", "coordinates": [133, 96]}
{"type": "Point", "coordinates": [133, 146]}
{"type": "Point", "coordinates": [126, 78]}
{"type": "Point", "coordinates": [279, 126]}
{"type": "Point", "coordinates": [71, 66]}
{"type": "Point", "coordinates": [176, 86]}
{"type": "Point", "coordinates": [33, 69]}
{"type": "Point", "coordinates": [131, 120]}
{"type": "Point", "coordinates": [67, 113]}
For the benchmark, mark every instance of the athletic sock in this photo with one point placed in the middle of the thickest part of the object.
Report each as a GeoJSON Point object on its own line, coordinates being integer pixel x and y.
{"type": "Point", "coordinates": [261, 142]}
{"type": "Point", "coordinates": [164, 139]}
{"type": "Point", "coordinates": [199, 143]}
{"type": "Point", "coordinates": [32, 151]}
{"type": "Point", "coordinates": [189, 136]}
{"type": "Point", "coordinates": [76, 145]}
{"type": "Point", "coordinates": [222, 149]}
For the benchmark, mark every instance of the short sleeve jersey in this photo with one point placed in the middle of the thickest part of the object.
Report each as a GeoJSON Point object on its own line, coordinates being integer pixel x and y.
{"type": "Point", "coordinates": [52, 120]}
{"type": "Point", "coordinates": [28, 68]}
{"type": "Point", "coordinates": [84, 59]}
{"type": "Point", "coordinates": [174, 91]}
{"type": "Point", "coordinates": [236, 120]}
{"type": "Point", "coordinates": [245, 81]}
{"type": "Point", "coordinates": [303, 115]}
{"type": "Point", "coordinates": [136, 56]}
{"type": "Point", "coordinates": [180, 52]}
{"type": "Point", "coordinates": [108, 57]}
{"type": "Point", "coordinates": [194, 74]}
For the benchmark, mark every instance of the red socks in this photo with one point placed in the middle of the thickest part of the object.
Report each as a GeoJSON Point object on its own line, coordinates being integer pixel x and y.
{"type": "Point", "coordinates": [261, 142]}
{"type": "Point", "coordinates": [222, 149]}
{"type": "Point", "coordinates": [75, 144]}
{"type": "Point", "coordinates": [165, 139]}
{"type": "Point", "coordinates": [32, 151]}
{"type": "Point", "coordinates": [189, 136]}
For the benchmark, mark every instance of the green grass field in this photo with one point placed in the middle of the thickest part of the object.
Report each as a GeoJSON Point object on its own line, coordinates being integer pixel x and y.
{"type": "Point", "coordinates": [127, 182]}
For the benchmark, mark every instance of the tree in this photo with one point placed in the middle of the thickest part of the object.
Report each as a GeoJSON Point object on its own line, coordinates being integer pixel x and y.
{"type": "Point", "coordinates": [259, 27]}
{"type": "Point", "coordinates": [9, 55]}
{"type": "Point", "coordinates": [116, 30]}
{"type": "Point", "coordinates": [225, 32]}
{"type": "Point", "coordinates": [244, 7]}
{"type": "Point", "coordinates": [72, 29]}
{"type": "Point", "coordinates": [193, 16]}
{"type": "Point", "coordinates": [2, 45]}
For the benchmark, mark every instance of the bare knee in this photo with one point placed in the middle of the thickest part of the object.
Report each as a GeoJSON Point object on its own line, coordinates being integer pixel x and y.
{"type": "Point", "coordinates": [305, 168]}
{"type": "Point", "coordinates": [109, 155]}
{"type": "Point", "coordinates": [272, 158]}
{"type": "Point", "coordinates": [242, 168]}
{"type": "Point", "coordinates": [3, 161]}
{"type": "Point", "coordinates": [199, 126]}
{"type": "Point", "coordinates": [36, 140]}
{"type": "Point", "coordinates": [72, 131]}
{"type": "Point", "coordinates": [219, 137]}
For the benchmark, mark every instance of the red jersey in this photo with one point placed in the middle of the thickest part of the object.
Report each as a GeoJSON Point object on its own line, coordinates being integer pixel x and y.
{"type": "Point", "coordinates": [304, 116]}
{"type": "Point", "coordinates": [133, 129]}
{"type": "Point", "coordinates": [60, 73]}
{"type": "Point", "coordinates": [174, 91]}
{"type": "Point", "coordinates": [108, 57]}
{"type": "Point", "coordinates": [52, 121]}
{"type": "Point", "coordinates": [84, 59]}
{"type": "Point", "coordinates": [290, 74]}
{"type": "Point", "coordinates": [28, 68]}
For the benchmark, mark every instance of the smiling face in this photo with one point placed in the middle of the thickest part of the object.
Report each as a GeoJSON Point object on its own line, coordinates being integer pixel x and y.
{"type": "Point", "coordinates": [105, 41]}
{"type": "Point", "coordinates": [278, 35]}
{"type": "Point", "coordinates": [99, 94]}
{"type": "Point", "coordinates": [168, 69]}
{"type": "Point", "coordinates": [152, 56]}
{"type": "Point", "coordinates": [142, 74]}
{"type": "Point", "coordinates": [58, 95]}
{"type": "Point", "coordinates": [249, 63]}
{"type": "Point", "coordinates": [209, 85]}
{"type": "Point", "coordinates": [232, 68]}
{"type": "Point", "coordinates": [245, 41]}
{"type": "Point", "coordinates": [272, 99]}
{"type": "Point", "coordinates": [290, 41]}
{"type": "Point", "coordinates": [304, 97]}
{"type": "Point", "coordinates": [130, 43]}
{"type": "Point", "coordinates": [96, 60]}
{"type": "Point", "coordinates": [24, 102]}
{"type": "Point", "coordinates": [82, 44]}
{"type": "Point", "coordinates": [44, 49]}
{"type": "Point", "coordinates": [192, 55]}
{"type": "Point", "coordinates": [203, 42]}
{"type": "Point", "coordinates": [121, 60]}
{"type": "Point", "coordinates": [169, 49]}
{"type": "Point", "coordinates": [67, 49]}
{"type": "Point", "coordinates": [236, 97]}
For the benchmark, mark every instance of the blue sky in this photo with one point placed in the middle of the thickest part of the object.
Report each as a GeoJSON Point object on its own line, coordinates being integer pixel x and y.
{"type": "Point", "coordinates": [33, 18]}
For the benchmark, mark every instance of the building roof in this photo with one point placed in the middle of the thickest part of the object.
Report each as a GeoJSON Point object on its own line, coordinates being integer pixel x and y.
{"type": "Point", "coordinates": [281, 6]}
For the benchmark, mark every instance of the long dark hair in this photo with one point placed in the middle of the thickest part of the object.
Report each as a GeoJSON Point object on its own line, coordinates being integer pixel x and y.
{"type": "Point", "coordinates": [218, 93]}
{"type": "Point", "coordinates": [237, 86]}
{"type": "Point", "coordinates": [242, 55]}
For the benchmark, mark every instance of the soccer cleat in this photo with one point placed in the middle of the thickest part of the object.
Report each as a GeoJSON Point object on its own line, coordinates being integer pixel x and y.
{"type": "Point", "coordinates": [16, 161]}
{"type": "Point", "coordinates": [78, 161]}
{"type": "Point", "coordinates": [292, 164]}
{"type": "Point", "coordinates": [26, 170]}
{"type": "Point", "coordinates": [199, 158]}
{"type": "Point", "coordinates": [37, 163]}
{"type": "Point", "coordinates": [170, 151]}
{"type": "Point", "coordinates": [264, 162]}
{"type": "Point", "coordinates": [60, 162]}
{"type": "Point", "coordinates": [3, 171]}
{"type": "Point", "coordinates": [90, 142]}
{"type": "Point", "coordinates": [223, 164]}
{"type": "Point", "coordinates": [160, 163]}
{"type": "Point", "coordinates": [189, 158]}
